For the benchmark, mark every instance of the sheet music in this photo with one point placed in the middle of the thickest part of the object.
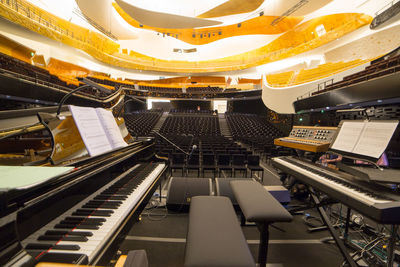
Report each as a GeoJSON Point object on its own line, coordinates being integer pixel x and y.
{"type": "Point", "coordinates": [111, 128]}
{"type": "Point", "coordinates": [375, 138]}
{"type": "Point", "coordinates": [368, 138]}
{"type": "Point", "coordinates": [91, 130]}
{"type": "Point", "coordinates": [348, 136]}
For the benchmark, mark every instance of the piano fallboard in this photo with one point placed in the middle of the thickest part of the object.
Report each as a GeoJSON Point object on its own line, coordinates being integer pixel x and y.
{"type": "Point", "coordinates": [376, 201]}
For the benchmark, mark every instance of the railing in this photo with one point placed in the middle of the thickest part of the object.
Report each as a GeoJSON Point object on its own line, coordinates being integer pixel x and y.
{"type": "Point", "coordinates": [321, 86]}
{"type": "Point", "coordinates": [386, 7]}
{"type": "Point", "coordinates": [59, 87]}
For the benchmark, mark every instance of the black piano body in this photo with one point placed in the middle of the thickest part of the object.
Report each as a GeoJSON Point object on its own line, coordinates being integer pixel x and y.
{"type": "Point", "coordinates": [24, 212]}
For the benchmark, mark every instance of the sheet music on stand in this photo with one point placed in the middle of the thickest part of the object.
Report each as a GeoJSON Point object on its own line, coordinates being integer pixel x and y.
{"type": "Point", "coordinates": [98, 129]}
{"type": "Point", "coordinates": [364, 139]}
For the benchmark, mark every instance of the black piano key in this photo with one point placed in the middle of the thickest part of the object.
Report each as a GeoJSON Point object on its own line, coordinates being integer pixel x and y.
{"type": "Point", "coordinates": [74, 226]}
{"type": "Point", "coordinates": [63, 238]}
{"type": "Point", "coordinates": [79, 219]}
{"type": "Point", "coordinates": [81, 223]}
{"type": "Point", "coordinates": [51, 246]}
{"type": "Point", "coordinates": [103, 206]}
{"type": "Point", "coordinates": [94, 213]}
{"type": "Point", "coordinates": [109, 197]}
{"type": "Point", "coordinates": [39, 246]}
{"type": "Point", "coordinates": [66, 247]}
{"type": "Point", "coordinates": [74, 233]}
{"type": "Point", "coordinates": [94, 210]}
{"type": "Point", "coordinates": [114, 202]}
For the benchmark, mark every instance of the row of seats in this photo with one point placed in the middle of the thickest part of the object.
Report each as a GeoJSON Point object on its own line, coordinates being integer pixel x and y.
{"type": "Point", "coordinates": [290, 78]}
{"type": "Point", "coordinates": [199, 90]}
{"type": "Point", "coordinates": [191, 111]}
{"type": "Point", "coordinates": [141, 122]}
{"type": "Point", "coordinates": [376, 69]}
{"type": "Point", "coordinates": [194, 125]}
{"type": "Point", "coordinates": [325, 70]}
{"type": "Point", "coordinates": [115, 84]}
{"type": "Point", "coordinates": [210, 162]}
{"type": "Point", "coordinates": [160, 89]}
{"type": "Point", "coordinates": [40, 75]}
{"type": "Point", "coordinates": [252, 130]}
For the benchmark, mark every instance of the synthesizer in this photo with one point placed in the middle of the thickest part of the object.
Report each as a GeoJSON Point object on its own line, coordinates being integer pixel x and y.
{"type": "Point", "coordinates": [308, 138]}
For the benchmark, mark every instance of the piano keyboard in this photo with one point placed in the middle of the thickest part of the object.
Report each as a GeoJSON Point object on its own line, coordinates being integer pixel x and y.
{"type": "Point", "coordinates": [333, 180]}
{"type": "Point", "coordinates": [376, 201]}
{"type": "Point", "coordinates": [86, 227]}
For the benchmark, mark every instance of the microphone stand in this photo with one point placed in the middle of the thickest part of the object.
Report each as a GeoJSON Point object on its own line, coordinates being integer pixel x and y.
{"type": "Point", "coordinates": [165, 138]}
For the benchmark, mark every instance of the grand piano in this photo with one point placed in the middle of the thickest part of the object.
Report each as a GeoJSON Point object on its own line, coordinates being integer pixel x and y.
{"type": "Point", "coordinates": [80, 216]}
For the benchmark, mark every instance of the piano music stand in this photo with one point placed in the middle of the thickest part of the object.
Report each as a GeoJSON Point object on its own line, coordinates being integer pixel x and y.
{"type": "Point", "coordinates": [66, 140]}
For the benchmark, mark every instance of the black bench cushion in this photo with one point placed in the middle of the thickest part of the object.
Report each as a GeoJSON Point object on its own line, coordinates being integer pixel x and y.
{"type": "Point", "coordinates": [257, 204]}
{"type": "Point", "coordinates": [223, 188]}
{"type": "Point", "coordinates": [214, 235]}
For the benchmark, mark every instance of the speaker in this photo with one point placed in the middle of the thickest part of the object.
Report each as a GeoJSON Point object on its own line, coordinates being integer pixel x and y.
{"type": "Point", "coordinates": [181, 191]}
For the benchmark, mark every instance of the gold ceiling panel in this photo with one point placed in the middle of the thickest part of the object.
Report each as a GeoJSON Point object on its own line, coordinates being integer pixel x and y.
{"type": "Point", "coordinates": [232, 7]}
{"type": "Point", "coordinates": [257, 25]}
{"type": "Point", "coordinates": [299, 39]}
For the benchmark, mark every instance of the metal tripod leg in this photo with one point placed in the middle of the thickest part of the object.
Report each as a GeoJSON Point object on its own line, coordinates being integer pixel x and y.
{"type": "Point", "coordinates": [390, 249]}
{"type": "Point", "coordinates": [334, 234]}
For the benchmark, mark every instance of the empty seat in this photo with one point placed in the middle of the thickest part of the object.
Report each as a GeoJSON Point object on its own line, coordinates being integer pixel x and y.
{"type": "Point", "coordinates": [209, 163]}
{"type": "Point", "coordinates": [224, 163]}
{"type": "Point", "coordinates": [239, 164]}
{"type": "Point", "coordinates": [253, 164]}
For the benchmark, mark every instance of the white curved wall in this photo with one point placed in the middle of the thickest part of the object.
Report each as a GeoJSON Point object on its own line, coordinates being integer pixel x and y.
{"type": "Point", "coordinates": [281, 99]}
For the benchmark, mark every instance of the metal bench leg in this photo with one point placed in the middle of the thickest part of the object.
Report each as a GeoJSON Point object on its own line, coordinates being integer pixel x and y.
{"type": "Point", "coordinates": [242, 219]}
{"type": "Point", "coordinates": [263, 247]}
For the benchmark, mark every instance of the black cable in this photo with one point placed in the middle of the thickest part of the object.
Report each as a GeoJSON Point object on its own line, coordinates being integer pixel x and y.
{"type": "Point", "coordinates": [65, 97]}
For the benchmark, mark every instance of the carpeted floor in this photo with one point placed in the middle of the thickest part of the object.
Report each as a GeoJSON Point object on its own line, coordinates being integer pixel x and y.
{"type": "Point", "coordinates": [162, 234]}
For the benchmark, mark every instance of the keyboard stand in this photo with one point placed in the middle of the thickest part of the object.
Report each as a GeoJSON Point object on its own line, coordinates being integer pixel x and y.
{"type": "Point", "coordinates": [334, 234]}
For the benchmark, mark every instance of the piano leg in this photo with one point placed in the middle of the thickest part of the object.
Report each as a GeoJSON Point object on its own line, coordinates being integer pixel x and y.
{"type": "Point", "coordinates": [332, 230]}
{"type": "Point", "coordinates": [391, 245]}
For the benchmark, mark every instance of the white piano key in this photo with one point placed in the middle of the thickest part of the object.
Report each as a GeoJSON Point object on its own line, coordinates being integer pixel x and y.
{"type": "Point", "coordinates": [352, 193]}
{"type": "Point", "coordinates": [95, 242]}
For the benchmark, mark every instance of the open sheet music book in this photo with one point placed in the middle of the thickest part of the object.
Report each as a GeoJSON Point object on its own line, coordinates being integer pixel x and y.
{"type": "Point", "coordinates": [98, 129]}
{"type": "Point", "coordinates": [367, 139]}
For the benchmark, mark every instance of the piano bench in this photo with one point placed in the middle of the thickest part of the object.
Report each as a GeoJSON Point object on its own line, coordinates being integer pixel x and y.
{"type": "Point", "coordinates": [259, 206]}
{"type": "Point", "coordinates": [214, 235]}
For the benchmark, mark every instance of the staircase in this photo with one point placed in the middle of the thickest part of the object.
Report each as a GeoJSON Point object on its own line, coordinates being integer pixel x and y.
{"type": "Point", "coordinates": [160, 122]}
{"type": "Point", "coordinates": [223, 125]}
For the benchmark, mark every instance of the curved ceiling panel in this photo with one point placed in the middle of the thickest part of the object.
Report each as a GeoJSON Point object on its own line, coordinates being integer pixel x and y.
{"type": "Point", "coordinates": [232, 7]}
{"type": "Point", "coordinates": [163, 20]}
{"type": "Point", "coordinates": [103, 16]}
{"type": "Point", "coordinates": [257, 25]}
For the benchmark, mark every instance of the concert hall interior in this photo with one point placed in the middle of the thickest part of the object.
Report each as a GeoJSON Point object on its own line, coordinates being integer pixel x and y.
{"type": "Point", "coordinates": [158, 133]}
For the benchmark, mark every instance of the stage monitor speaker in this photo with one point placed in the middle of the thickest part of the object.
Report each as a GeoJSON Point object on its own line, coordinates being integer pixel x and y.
{"type": "Point", "coordinates": [181, 191]}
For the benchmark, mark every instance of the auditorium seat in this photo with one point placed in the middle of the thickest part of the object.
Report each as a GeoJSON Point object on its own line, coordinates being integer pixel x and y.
{"type": "Point", "coordinates": [252, 130]}
{"type": "Point", "coordinates": [141, 122]}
